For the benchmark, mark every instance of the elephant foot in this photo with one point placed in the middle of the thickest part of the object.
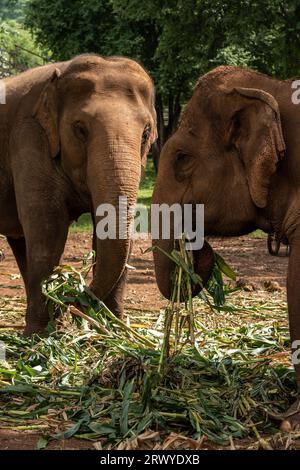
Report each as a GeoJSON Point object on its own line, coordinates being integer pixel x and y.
{"type": "Point", "coordinates": [291, 420]}
{"type": "Point", "coordinates": [115, 306]}
{"type": "Point", "coordinates": [37, 328]}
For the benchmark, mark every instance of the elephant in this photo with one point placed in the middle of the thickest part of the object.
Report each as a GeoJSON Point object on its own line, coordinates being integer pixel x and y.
{"type": "Point", "coordinates": [73, 135]}
{"type": "Point", "coordinates": [237, 151]}
{"type": "Point", "coordinates": [274, 246]}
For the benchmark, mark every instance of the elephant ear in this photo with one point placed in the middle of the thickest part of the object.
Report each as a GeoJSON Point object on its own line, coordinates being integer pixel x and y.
{"type": "Point", "coordinates": [46, 113]}
{"type": "Point", "coordinates": [255, 130]}
{"type": "Point", "coordinates": [149, 135]}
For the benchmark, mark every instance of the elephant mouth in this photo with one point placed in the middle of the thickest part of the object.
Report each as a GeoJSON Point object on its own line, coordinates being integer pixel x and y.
{"type": "Point", "coordinates": [203, 264]}
{"type": "Point", "coordinates": [203, 258]}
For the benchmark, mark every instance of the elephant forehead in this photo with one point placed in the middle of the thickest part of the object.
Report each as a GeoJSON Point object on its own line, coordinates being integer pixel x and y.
{"type": "Point", "coordinates": [126, 80]}
{"type": "Point", "coordinates": [95, 62]}
{"type": "Point", "coordinates": [129, 83]}
{"type": "Point", "coordinates": [113, 69]}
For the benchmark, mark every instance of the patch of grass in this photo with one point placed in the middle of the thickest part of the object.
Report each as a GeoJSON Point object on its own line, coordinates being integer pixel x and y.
{"type": "Point", "coordinates": [83, 224]}
{"type": "Point", "coordinates": [147, 185]}
{"type": "Point", "coordinates": [258, 234]}
{"type": "Point", "coordinates": [145, 196]}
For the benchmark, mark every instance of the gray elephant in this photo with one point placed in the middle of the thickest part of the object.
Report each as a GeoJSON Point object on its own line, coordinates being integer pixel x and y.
{"type": "Point", "coordinates": [73, 135]}
{"type": "Point", "coordinates": [237, 152]}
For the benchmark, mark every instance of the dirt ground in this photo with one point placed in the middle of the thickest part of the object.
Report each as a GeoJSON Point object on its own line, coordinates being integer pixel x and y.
{"type": "Point", "coordinates": [248, 256]}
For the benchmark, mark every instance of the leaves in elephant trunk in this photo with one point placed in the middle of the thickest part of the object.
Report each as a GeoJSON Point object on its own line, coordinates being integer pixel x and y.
{"type": "Point", "coordinates": [186, 283]}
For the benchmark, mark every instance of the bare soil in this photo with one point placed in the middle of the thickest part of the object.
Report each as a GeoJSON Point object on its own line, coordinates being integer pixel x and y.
{"type": "Point", "coordinates": [248, 256]}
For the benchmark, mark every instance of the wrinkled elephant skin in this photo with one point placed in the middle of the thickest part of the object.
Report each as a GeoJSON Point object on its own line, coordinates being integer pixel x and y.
{"type": "Point", "coordinates": [73, 135]}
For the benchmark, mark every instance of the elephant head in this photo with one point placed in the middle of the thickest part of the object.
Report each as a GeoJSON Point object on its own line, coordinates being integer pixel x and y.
{"type": "Point", "coordinates": [98, 120]}
{"type": "Point", "coordinates": [224, 155]}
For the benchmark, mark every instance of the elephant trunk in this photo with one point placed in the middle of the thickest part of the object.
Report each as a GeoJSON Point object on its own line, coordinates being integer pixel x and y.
{"type": "Point", "coordinates": [203, 260]}
{"type": "Point", "coordinates": [203, 263]}
{"type": "Point", "coordinates": [163, 266]}
{"type": "Point", "coordinates": [111, 175]}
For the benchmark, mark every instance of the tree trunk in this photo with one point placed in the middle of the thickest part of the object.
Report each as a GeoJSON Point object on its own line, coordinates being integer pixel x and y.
{"type": "Point", "coordinates": [165, 130]}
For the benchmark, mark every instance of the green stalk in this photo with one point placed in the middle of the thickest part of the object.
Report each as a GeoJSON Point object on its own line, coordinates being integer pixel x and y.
{"type": "Point", "coordinates": [177, 333]}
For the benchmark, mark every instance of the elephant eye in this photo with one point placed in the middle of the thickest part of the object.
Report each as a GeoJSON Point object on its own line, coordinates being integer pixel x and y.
{"type": "Point", "coordinates": [80, 131]}
{"type": "Point", "coordinates": [182, 158]}
{"type": "Point", "coordinates": [183, 166]}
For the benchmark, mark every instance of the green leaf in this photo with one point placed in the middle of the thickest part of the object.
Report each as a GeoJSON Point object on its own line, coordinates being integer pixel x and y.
{"type": "Point", "coordinates": [102, 428]}
{"type": "Point", "coordinates": [128, 389]}
{"type": "Point", "coordinates": [224, 267]}
{"type": "Point", "coordinates": [73, 430]}
{"type": "Point", "coordinates": [20, 388]}
{"type": "Point", "coordinates": [145, 422]}
{"type": "Point", "coordinates": [42, 442]}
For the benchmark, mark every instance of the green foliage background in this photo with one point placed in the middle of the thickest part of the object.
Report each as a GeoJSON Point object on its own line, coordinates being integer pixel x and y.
{"type": "Point", "coordinates": [17, 43]}
{"type": "Point", "coordinates": [12, 9]}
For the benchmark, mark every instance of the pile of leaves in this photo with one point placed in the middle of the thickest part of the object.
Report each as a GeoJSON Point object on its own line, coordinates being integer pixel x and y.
{"type": "Point", "coordinates": [99, 378]}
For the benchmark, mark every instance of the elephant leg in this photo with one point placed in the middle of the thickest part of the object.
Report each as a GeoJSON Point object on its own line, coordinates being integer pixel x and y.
{"type": "Point", "coordinates": [18, 247]}
{"type": "Point", "coordinates": [45, 244]}
{"type": "Point", "coordinates": [273, 245]}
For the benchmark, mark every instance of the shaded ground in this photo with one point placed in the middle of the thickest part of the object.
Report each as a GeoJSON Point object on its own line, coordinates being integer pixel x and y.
{"type": "Point", "coordinates": [27, 440]}
{"type": "Point", "coordinates": [260, 274]}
